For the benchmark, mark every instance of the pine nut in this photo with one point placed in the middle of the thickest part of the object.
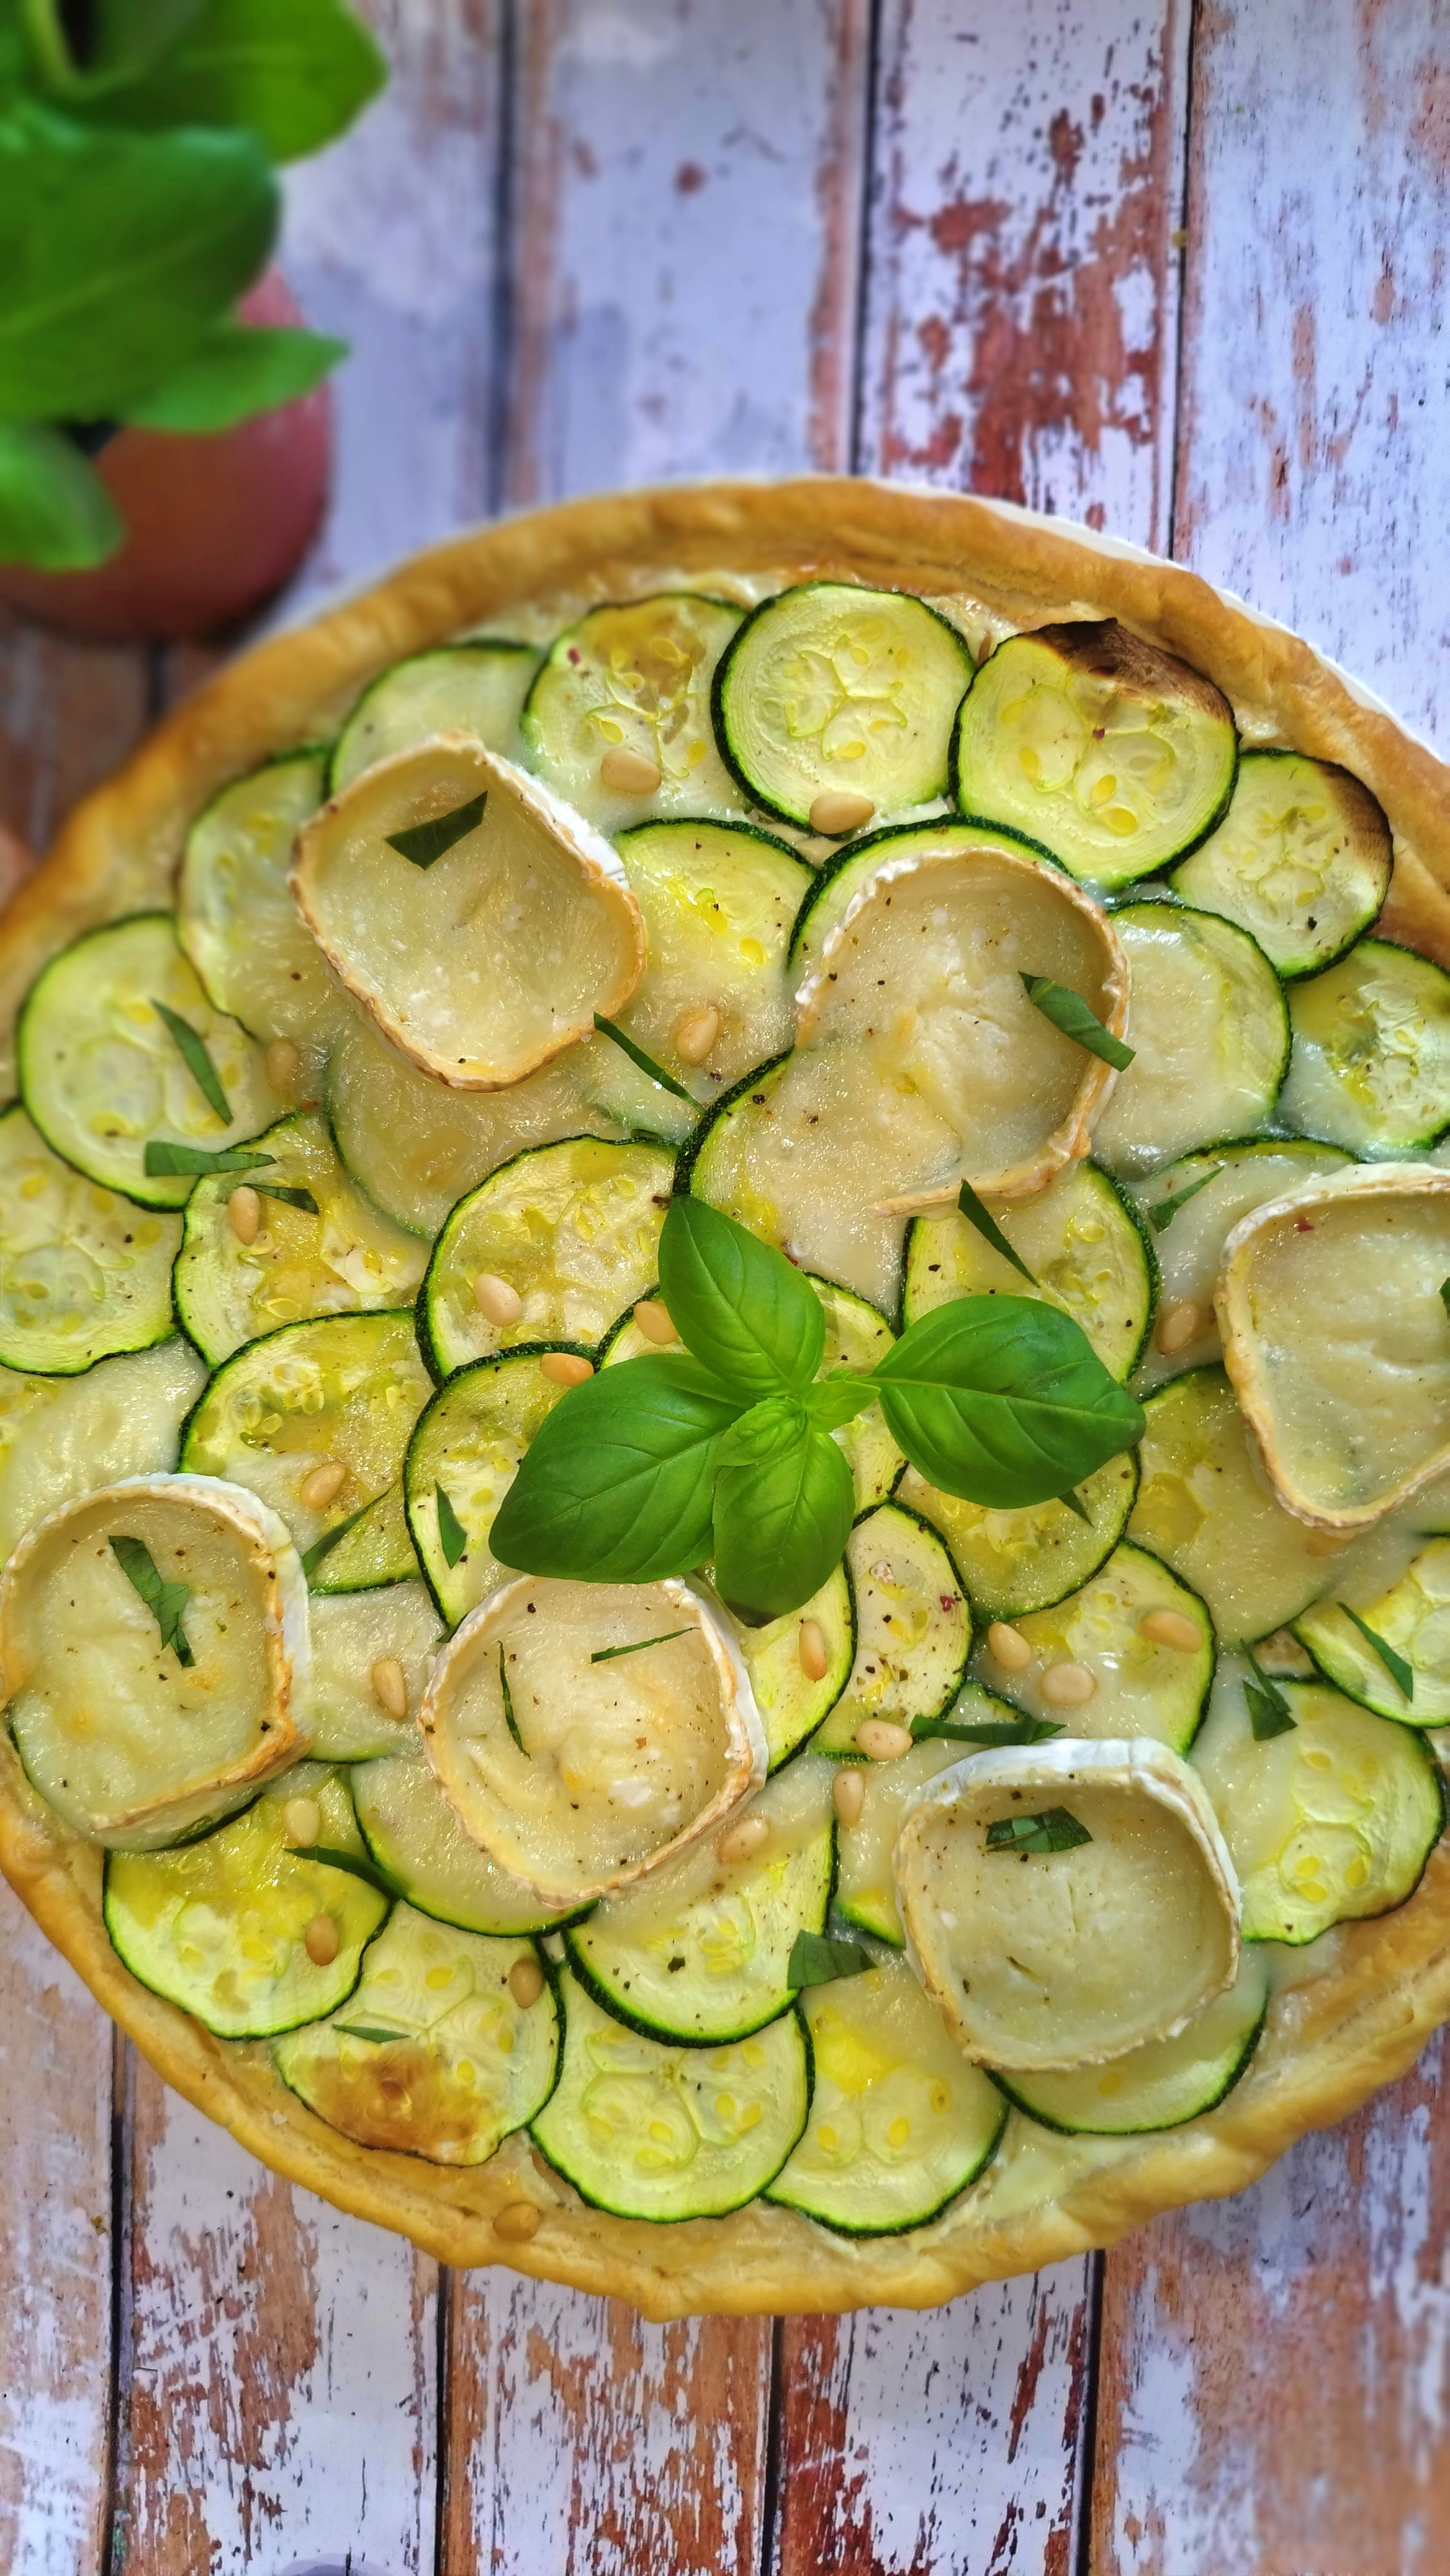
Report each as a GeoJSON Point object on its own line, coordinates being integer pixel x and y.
{"type": "Point", "coordinates": [1178, 1325]}
{"type": "Point", "coordinates": [282, 1064]}
{"type": "Point", "coordinates": [301, 1822]}
{"type": "Point", "coordinates": [695, 1035]}
{"type": "Point", "coordinates": [838, 810]}
{"type": "Point", "coordinates": [743, 1840]}
{"type": "Point", "coordinates": [323, 1485]}
{"type": "Point", "coordinates": [1067, 1685]}
{"type": "Point", "coordinates": [496, 1300]}
{"type": "Point", "coordinates": [321, 1940]}
{"type": "Point", "coordinates": [628, 772]}
{"type": "Point", "coordinates": [526, 1982]}
{"type": "Point", "coordinates": [517, 2221]}
{"type": "Point", "coordinates": [655, 1321]}
{"type": "Point", "coordinates": [881, 1741]}
{"type": "Point", "coordinates": [1170, 1628]}
{"type": "Point", "coordinates": [390, 1685]}
{"type": "Point", "coordinates": [815, 1663]}
{"type": "Point", "coordinates": [848, 1796]}
{"type": "Point", "coordinates": [566, 1368]}
{"type": "Point", "coordinates": [1008, 1647]}
{"type": "Point", "coordinates": [245, 1210]}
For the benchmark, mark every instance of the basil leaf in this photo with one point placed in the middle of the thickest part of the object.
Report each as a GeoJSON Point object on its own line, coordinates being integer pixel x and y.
{"type": "Point", "coordinates": [1269, 1711]}
{"type": "Point", "coordinates": [452, 1536]}
{"type": "Point", "coordinates": [615, 1486]}
{"type": "Point", "coordinates": [510, 1721]}
{"type": "Point", "coordinates": [781, 1527]}
{"type": "Point", "coordinates": [426, 843]}
{"type": "Point", "coordinates": [1162, 1214]}
{"type": "Point", "coordinates": [324, 1546]}
{"type": "Point", "coordinates": [238, 370]}
{"type": "Point", "coordinates": [290, 1198]}
{"type": "Point", "coordinates": [990, 1232]}
{"type": "Point", "coordinates": [192, 1050]}
{"type": "Point", "coordinates": [1004, 1401]}
{"type": "Point", "coordinates": [772, 1429]}
{"type": "Point", "coordinates": [1445, 1295]}
{"type": "Point", "coordinates": [737, 1303]}
{"type": "Point", "coordinates": [365, 2030]}
{"type": "Point", "coordinates": [163, 1160]}
{"type": "Point", "coordinates": [1055, 1829]}
{"type": "Point", "coordinates": [646, 1063]}
{"type": "Point", "coordinates": [354, 1865]}
{"type": "Point", "coordinates": [165, 1601]}
{"type": "Point", "coordinates": [294, 72]}
{"type": "Point", "coordinates": [610, 1654]}
{"type": "Point", "coordinates": [1070, 1013]}
{"type": "Point", "coordinates": [832, 1401]}
{"type": "Point", "coordinates": [1074, 1503]}
{"type": "Point", "coordinates": [119, 37]}
{"type": "Point", "coordinates": [816, 1960]}
{"type": "Point", "coordinates": [1399, 1671]}
{"type": "Point", "coordinates": [55, 511]}
{"type": "Point", "coordinates": [1016, 1730]}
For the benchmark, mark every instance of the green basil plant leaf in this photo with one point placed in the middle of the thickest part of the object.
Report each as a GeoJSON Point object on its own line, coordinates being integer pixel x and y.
{"type": "Point", "coordinates": [738, 1304]}
{"type": "Point", "coordinates": [837, 1399]}
{"type": "Point", "coordinates": [54, 509]}
{"type": "Point", "coordinates": [781, 1527]}
{"type": "Point", "coordinates": [1003, 1400]}
{"type": "Point", "coordinates": [292, 72]}
{"type": "Point", "coordinates": [775, 1428]}
{"type": "Point", "coordinates": [237, 371]}
{"type": "Point", "coordinates": [617, 1484]}
{"type": "Point", "coordinates": [121, 38]}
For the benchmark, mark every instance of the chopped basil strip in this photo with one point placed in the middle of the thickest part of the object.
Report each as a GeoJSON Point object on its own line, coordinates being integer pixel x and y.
{"type": "Point", "coordinates": [324, 1546]}
{"type": "Point", "coordinates": [1445, 1295]}
{"type": "Point", "coordinates": [607, 1654]}
{"type": "Point", "coordinates": [365, 2030]}
{"type": "Point", "coordinates": [975, 1214]}
{"type": "Point", "coordinates": [355, 1866]}
{"type": "Point", "coordinates": [1016, 1730]}
{"type": "Point", "coordinates": [816, 1960]}
{"type": "Point", "coordinates": [1269, 1711]}
{"type": "Point", "coordinates": [425, 842]}
{"type": "Point", "coordinates": [1395, 1665]}
{"type": "Point", "coordinates": [1162, 1216]}
{"type": "Point", "coordinates": [163, 1160]}
{"type": "Point", "coordinates": [166, 1601]}
{"type": "Point", "coordinates": [646, 1063]}
{"type": "Point", "coordinates": [291, 1198]}
{"type": "Point", "coordinates": [1070, 1013]}
{"type": "Point", "coordinates": [192, 1050]}
{"type": "Point", "coordinates": [1055, 1829]}
{"type": "Point", "coordinates": [508, 1705]}
{"type": "Point", "coordinates": [452, 1536]}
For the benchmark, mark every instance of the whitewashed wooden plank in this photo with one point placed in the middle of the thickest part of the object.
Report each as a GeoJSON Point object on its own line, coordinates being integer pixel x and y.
{"type": "Point", "coordinates": [1023, 274]}
{"type": "Point", "coordinates": [687, 220]}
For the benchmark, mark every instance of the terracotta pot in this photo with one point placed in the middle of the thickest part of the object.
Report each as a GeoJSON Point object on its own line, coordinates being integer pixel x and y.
{"type": "Point", "coordinates": [216, 523]}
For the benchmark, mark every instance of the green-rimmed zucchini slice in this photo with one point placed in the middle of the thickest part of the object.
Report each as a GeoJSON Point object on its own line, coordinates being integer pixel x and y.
{"type": "Point", "coordinates": [913, 1627]}
{"type": "Point", "coordinates": [850, 869]}
{"type": "Point", "coordinates": [650, 2129]}
{"type": "Point", "coordinates": [865, 1890]}
{"type": "Point", "coordinates": [1210, 1034]}
{"type": "Point", "coordinates": [83, 1272]}
{"type": "Point", "coordinates": [418, 1842]}
{"type": "Point", "coordinates": [1413, 1618]}
{"type": "Point", "coordinates": [791, 1701]}
{"type": "Point", "coordinates": [1026, 1560]}
{"type": "Point", "coordinates": [339, 1257]}
{"type": "Point", "coordinates": [469, 1439]}
{"type": "Point", "coordinates": [634, 676]}
{"type": "Point", "coordinates": [431, 2055]}
{"type": "Point", "coordinates": [1114, 753]}
{"type": "Point", "coordinates": [900, 2122]}
{"type": "Point", "coordinates": [698, 1952]}
{"type": "Point", "coordinates": [476, 687]}
{"type": "Point", "coordinates": [1301, 859]}
{"type": "Point", "coordinates": [572, 1229]}
{"type": "Point", "coordinates": [800, 1153]}
{"type": "Point", "coordinates": [63, 1436]}
{"type": "Point", "coordinates": [1205, 1506]}
{"type": "Point", "coordinates": [1142, 1684]}
{"type": "Point", "coordinates": [1328, 1822]}
{"type": "Point", "coordinates": [344, 1391]}
{"type": "Point", "coordinates": [356, 1635]}
{"type": "Point", "coordinates": [219, 1926]}
{"type": "Point", "coordinates": [235, 915]}
{"type": "Point", "coordinates": [1371, 1062]}
{"type": "Point", "coordinates": [830, 686]}
{"type": "Point", "coordinates": [1228, 1182]}
{"type": "Point", "coordinates": [101, 1074]}
{"type": "Point", "coordinates": [1159, 2086]}
{"type": "Point", "coordinates": [718, 901]}
{"type": "Point", "coordinates": [1084, 1243]}
{"type": "Point", "coordinates": [132, 1744]}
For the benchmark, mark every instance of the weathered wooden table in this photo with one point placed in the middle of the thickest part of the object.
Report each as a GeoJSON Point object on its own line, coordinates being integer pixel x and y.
{"type": "Point", "coordinates": [1180, 271]}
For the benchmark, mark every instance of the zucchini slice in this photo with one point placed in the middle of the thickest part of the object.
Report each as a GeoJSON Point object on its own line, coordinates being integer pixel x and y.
{"type": "Point", "coordinates": [131, 1739]}
{"type": "Point", "coordinates": [1083, 1241]}
{"type": "Point", "coordinates": [1227, 1182]}
{"type": "Point", "coordinates": [344, 1391]}
{"type": "Point", "coordinates": [517, 924]}
{"type": "Point", "coordinates": [1210, 1032]}
{"type": "Point", "coordinates": [791, 1702]}
{"type": "Point", "coordinates": [634, 676]}
{"type": "Point", "coordinates": [800, 1152]}
{"type": "Point", "coordinates": [82, 1272]}
{"type": "Point", "coordinates": [1114, 753]}
{"type": "Point", "coordinates": [1371, 1062]}
{"type": "Point", "coordinates": [1301, 860]}
{"type": "Point", "coordinates": [1413, 1618]}
{"type": "Point", "coordinates": [353, 1634]}
{"type": "Point", "coordinates": [469, 1439]}
{"type": "Point", "coordinates": [572, 1229]}
{"type": "Point", "coordinates": [1204, 1506]}
{"type": "Point", "coordinates": [1073, 1953]}
{"type": "Point", "coordinates": [220, 1925]}
{"type": "Point", "coordinates": [235, 914]}
{"type": "Point", "coordinates": [699, 1952]}
{"type": "Point", "coordinates": [913, 1627]}
{"type": "Point", "coordinates": [849, 870]}
{"type": "Point", "coordinates": [418, 1843]}
{"type": "Point", "coordinates": [64, 1436]}
{"type": "Point", "coordinates": [1141, 1685]}
{"type": "Point", "coordinates": [1161, 2085]}
{"type": "Point", "coordinates": [900, 2123]}
{"type": "Point", "coordinates": [831, 686]}
{"type": "Point", "coordinates": [649, 2129]}
{"type": "Point", "coordinates": [1331, 1821]}
{"type": "Point", "coordinates": [1026, 1560]}
{"type": "Point", "coordinates": [578, 1768]}
{"type": "Point", "coordinates": [865, 1889]}
{"type": "Point", "coordinates": [462, 2064]}
{"type": "Point", "coordinates": [718, 901]}
{"type": "Point", "coordinates": [101, 1074]}
{"type": "Point", "coordinates": [477, 687]}
{"type": "Point", "coordinates": [341, 1256]}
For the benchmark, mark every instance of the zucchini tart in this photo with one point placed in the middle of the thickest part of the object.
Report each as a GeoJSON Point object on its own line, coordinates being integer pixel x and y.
{"type": "Point", "coordinates": [725, 1396]}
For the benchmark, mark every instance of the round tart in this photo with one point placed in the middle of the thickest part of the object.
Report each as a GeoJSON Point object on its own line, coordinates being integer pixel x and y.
{"type": "Point", "coordinates": [725, 1396]}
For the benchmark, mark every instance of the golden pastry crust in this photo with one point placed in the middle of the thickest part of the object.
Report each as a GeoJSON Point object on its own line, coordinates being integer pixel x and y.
{"type": "Point", "coordinates": [1382, 1987]}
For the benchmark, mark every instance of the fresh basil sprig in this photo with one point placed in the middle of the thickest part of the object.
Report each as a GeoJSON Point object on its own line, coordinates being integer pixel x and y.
{"type": "Point", "coordinates": [722, 1451]}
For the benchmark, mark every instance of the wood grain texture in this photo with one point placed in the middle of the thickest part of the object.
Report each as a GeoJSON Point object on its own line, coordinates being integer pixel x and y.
{"type": "Point", "coordinates": [927, 2445]}
{"type": "Point", "coordinates": [583, 2442]}
{"type": "Point", "coordinates": [686, 224]}
{"type": "Point", "coordinates": [69, 713]}
{"type": "Point", "coordinates": [1023, 273]}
